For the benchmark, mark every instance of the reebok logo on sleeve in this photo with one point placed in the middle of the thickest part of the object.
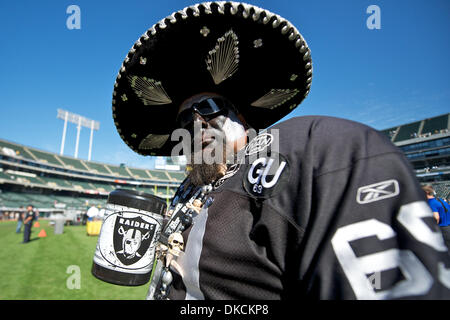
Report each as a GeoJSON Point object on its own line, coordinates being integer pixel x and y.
{"type": "Point", "coordinates": [377, 191]}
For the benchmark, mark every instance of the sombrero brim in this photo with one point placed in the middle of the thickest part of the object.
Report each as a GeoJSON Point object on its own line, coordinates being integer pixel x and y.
{"type": "Point", "coordinates": [255, 58]}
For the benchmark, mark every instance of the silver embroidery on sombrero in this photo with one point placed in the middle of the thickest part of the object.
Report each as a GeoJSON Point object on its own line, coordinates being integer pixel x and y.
{"type": "Point", "coordinates": [150, 91]}
{"type": "Point", "coordinates": [223, 8]}
{"type": "Point", "coordinates": [222, 61]}
{"type": "Point", "coordinates": [153, 141]}
{"type": "Point", "coordinates": [274, 98]}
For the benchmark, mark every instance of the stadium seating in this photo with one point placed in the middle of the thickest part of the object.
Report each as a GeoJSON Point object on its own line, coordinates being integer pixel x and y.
{"type": "Point", "coordinates": [73, 163]}
{"type": "Point", "coordinates": [159, 175]}
{"type": "Point", "coordinates": [139, 173]}
{"type": "Point", "coordinates": [15, 176]}
{"type": "Point", "coordinates": [7, 176]}
{"type": "Point", "coordinates": [442, 189]}
{"type": "Point", "coordinates": [435, 125]}
{"type": "Point", "coordinates": [55, 182]}
{"type": "Point", "coordinates": [45, 157]}
{"type": "Point", "coordinates": [17, 149]}
{"type": "Point", "coordinates": [91, 167]}
{"type": "Point", "coordinates": [118, 171]}
{"type": "Point", "coordinates": [103, 187]}
{"type": "Point", "coordinates": [176, 176]}
{"type": "Point", "coordinates": [418, 129]}
{"type": "Point", "coordinates": [29, 180]}
{"type": "Point", "coordinates": [407, 131]}
{"type": "Point", "coordinates": [97, 167]}
{"type": "Point", "coordinates": [426, 144]}
{"type": "Point", "coordinates": [41, 178]}
{"type": "Point", "coordinates": [12, 196]}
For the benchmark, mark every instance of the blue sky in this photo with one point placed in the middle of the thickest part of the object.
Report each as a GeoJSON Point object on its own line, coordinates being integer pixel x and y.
{"type": "Point", "coordinates": [382, 78]}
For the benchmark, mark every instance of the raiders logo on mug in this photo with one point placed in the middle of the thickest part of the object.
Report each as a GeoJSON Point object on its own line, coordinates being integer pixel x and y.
{"type": "Point", "coordinates": [126, 244]}
{"type": "Point", "coordinates": [132, 237]}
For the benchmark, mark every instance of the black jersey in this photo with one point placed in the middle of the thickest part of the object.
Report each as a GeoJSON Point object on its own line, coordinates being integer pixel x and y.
{"type": "Point", "coordinates": [320, 208]}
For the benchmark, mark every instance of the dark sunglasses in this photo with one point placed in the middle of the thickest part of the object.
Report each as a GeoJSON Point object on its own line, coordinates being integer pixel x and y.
{"type": "Point", "coordinates": [208, 109]}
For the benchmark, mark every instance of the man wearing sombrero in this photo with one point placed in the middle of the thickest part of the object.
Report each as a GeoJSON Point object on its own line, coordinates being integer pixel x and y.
{"type": "Point", "coordinates": [314, 207]}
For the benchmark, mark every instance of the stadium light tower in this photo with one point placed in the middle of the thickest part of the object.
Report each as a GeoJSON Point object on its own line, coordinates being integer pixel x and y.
{"type": "Point", "coordinates": [80, 121]}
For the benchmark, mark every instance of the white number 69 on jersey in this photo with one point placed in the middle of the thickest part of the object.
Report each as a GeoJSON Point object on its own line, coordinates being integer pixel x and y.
{"type": "Point", "coordinates": [417, 279]}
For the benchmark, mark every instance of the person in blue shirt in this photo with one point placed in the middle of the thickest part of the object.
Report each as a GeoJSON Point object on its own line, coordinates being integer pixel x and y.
{"type": "Point", "coordinates": [441, 212]}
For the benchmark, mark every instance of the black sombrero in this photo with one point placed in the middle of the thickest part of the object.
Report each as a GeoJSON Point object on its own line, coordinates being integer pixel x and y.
{"type": "Point", "coordinates": [253, 57]}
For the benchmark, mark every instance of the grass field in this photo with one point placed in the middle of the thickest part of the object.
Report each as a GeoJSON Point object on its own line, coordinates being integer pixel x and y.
{"type": "Point", "coordinates": [41, 268]}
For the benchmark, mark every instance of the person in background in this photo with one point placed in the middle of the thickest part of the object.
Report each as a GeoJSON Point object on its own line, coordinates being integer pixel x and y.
{"type": "Point", "coordinates": [92, 213]}
{"type": "Point", "coordinates": [20, 220]}
{"type": "Point", "coordinates": [101, 213]}
{"type": "Point", "coordinates": [440, 212]}
{"type": "Point", "coordinates": [28, 222]}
